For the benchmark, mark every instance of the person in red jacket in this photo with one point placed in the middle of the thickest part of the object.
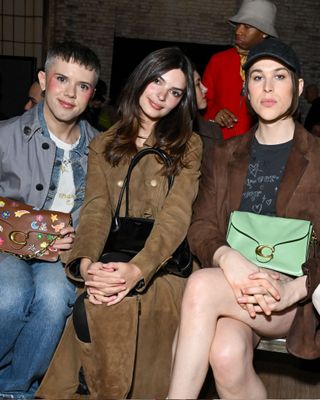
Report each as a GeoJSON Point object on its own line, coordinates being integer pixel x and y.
{"type": "Point", "coordinates": [223, 75]}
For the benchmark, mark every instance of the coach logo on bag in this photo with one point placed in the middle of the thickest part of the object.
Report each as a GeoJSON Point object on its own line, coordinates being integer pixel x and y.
{"type": "Point", "coordinates": [14, 237]}
{"type": "Point", "coordinates": [267, 255]}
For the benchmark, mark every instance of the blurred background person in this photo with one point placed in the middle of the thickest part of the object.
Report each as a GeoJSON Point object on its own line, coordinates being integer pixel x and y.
{"type": "Point", "coordinates": [35, 94]}
{"type": "Point", "coordinates": [99, 113]}
{"type": "Point", "coordinates": [312, 121]}
{"type": "Point", "coordinates": [209, 131]}
{"type": "Point", "coordinates": [224, 76]}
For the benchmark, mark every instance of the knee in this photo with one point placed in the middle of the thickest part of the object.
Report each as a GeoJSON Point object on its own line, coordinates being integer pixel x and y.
{"type": "Point", "coordinates": [198, 293]}
{"type": "Point", "coordinates": [15, 300]}
{"type": "Point", "coordinates": [54, 298]}
{"type": "Point", "coordinates": [229, 361]}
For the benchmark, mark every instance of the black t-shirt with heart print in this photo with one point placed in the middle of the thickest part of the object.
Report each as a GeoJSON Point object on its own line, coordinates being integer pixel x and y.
{"type": "Point", "coordinates": [264, 175]}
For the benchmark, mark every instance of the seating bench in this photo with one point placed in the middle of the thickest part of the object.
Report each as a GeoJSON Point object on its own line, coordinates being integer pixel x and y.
{"type": "Point", "coordinates": [275, 345]}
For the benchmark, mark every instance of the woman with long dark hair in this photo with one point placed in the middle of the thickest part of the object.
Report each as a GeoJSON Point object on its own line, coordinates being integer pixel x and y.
{"type": "Point", "coordinates": [125, 351]}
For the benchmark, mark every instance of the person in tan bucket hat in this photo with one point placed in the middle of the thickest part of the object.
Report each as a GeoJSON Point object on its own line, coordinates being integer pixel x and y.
{"type": "Point", "coordinates": [224, 76]}
{"type": "Point", "coordinates": [261, 14]}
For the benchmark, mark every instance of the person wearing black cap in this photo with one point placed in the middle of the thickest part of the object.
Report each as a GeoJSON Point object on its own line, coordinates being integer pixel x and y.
{"type": "Point", "coordinates": [224, 76]}
{"type": "Point", "coordinates": [230, 303]}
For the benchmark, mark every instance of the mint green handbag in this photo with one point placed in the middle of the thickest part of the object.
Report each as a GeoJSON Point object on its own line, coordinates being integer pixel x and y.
{"type": "Point", "coordinates": [280, 244]}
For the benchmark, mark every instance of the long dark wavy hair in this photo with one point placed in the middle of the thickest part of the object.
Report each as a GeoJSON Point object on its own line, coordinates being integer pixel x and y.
{"type": "Point", "coordinates": [172, 131]}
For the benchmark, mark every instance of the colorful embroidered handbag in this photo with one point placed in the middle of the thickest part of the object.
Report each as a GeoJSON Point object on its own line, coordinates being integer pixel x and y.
{"type": "Point", "coordinates": [28, 232]}
{"type": "Point", "coordinates": [280, 244]}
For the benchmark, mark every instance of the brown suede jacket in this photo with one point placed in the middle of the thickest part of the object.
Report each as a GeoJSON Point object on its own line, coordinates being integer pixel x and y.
{"type": "Point", "coordinates": [149, 199]}
{"type": "Point", "coordinates": [223, 175]}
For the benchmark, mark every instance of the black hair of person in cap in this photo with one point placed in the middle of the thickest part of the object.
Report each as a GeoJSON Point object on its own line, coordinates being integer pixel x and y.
{"type": "Point", "coordinates": [276, 49]}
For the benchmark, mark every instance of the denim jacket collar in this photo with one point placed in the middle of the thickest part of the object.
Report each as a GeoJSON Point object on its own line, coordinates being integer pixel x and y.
{"type": "Point", "coordinates": [78, 157]}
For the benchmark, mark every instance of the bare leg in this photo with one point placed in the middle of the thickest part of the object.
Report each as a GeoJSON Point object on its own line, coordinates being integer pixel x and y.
{"type": "Point", "coordinates": [207, 297]}
{"type": "Point", "coordinates": [231, 358]}
{"type": "Point", "coordinates": [194, 340]}
{"type": "Point", "coordinates": [174, 347]}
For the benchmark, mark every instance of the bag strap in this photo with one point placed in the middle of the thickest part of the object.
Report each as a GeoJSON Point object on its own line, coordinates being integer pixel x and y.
{"type": "Point", "coordinates": [134, 161]}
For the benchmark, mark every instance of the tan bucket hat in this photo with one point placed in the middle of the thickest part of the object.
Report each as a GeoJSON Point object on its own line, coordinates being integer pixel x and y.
{"type": "Point", "coordinates": [260, 14]}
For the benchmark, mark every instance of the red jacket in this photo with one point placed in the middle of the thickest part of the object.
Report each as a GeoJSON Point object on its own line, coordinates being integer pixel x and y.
{"type": "Point", "coordinates": [224, 83]}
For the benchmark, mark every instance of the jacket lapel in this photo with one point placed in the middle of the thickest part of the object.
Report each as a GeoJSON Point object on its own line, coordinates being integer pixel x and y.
{"type": "Point", "coordinates": [238, 167]}
{"type": "Point", "coordinates": [295, 168]}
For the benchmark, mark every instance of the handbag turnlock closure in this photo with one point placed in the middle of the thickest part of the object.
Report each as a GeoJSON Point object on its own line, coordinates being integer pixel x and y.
{"type": "Point", "coordinates": [15, 239]}
{"type": "Point", "coordinates": [262, 255]}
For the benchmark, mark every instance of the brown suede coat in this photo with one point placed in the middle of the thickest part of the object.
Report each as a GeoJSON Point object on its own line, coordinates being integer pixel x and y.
{"type": "Point", "coordinates": [221, 187]}
{"type": "Point", "coordinates": [130, 350]}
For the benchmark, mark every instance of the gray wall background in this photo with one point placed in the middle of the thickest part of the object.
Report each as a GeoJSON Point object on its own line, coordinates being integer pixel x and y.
{"type": "Point", "coordinates": [97, 22]}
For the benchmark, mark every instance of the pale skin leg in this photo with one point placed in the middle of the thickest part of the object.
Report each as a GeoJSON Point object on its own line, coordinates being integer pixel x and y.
{"type": "Point", "coordinates": [231, 356]}
{"type": "Point", "coordinates": [233, 346]}
{"type": "Point", "coordinates": [208, 296]}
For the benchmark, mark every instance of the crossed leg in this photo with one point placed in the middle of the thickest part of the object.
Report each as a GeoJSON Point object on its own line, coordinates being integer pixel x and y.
{"type": "Point", "coordinates": [227, 343]}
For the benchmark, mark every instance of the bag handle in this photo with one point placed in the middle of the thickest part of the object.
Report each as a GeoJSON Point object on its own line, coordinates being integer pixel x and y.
{"type": "Point", "coordinates": [125, 187]}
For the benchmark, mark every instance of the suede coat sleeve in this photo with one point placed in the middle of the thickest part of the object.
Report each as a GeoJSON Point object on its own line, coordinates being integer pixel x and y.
{"type": "Point", "coordinates": [148, 199]}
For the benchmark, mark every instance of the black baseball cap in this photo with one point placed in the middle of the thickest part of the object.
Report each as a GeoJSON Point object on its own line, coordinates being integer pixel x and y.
{"type": "Point", "coordinates": [276, 49]}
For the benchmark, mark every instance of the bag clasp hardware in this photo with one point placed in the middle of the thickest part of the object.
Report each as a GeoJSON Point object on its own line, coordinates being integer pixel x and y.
{"type": "Point", "coordinates": [265, 256]}
{"type": "Point", "coordinates": [13, 236]}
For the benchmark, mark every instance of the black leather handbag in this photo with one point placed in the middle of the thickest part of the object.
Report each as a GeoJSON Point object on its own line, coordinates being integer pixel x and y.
{"type": "Point", "coordinates": [129, 234]}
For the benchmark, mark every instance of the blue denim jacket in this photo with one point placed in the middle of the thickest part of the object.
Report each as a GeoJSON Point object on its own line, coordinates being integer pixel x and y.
{"type": "Point", "coordinates": [30, 161]}
{"type": "Point", "coordinates": [78, 158]}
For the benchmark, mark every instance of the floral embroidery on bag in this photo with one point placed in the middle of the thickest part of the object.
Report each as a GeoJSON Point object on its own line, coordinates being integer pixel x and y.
{"type": "Point", "coordinates": [6, 214]}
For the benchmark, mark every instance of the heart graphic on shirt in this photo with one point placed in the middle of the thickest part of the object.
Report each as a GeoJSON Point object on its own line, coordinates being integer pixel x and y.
{"type": "Point", "coordinates": [257, 208]}
{"type": "Point", "coordinates": [268, 202]}
{"type": "Point", "coordinates": [253, 169]}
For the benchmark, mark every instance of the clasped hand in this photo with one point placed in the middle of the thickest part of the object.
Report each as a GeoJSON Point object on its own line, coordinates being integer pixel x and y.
{"type": "Point", "coordinates": [255, 291]}
{"type": "Point", "coordinates": [109, 283]}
